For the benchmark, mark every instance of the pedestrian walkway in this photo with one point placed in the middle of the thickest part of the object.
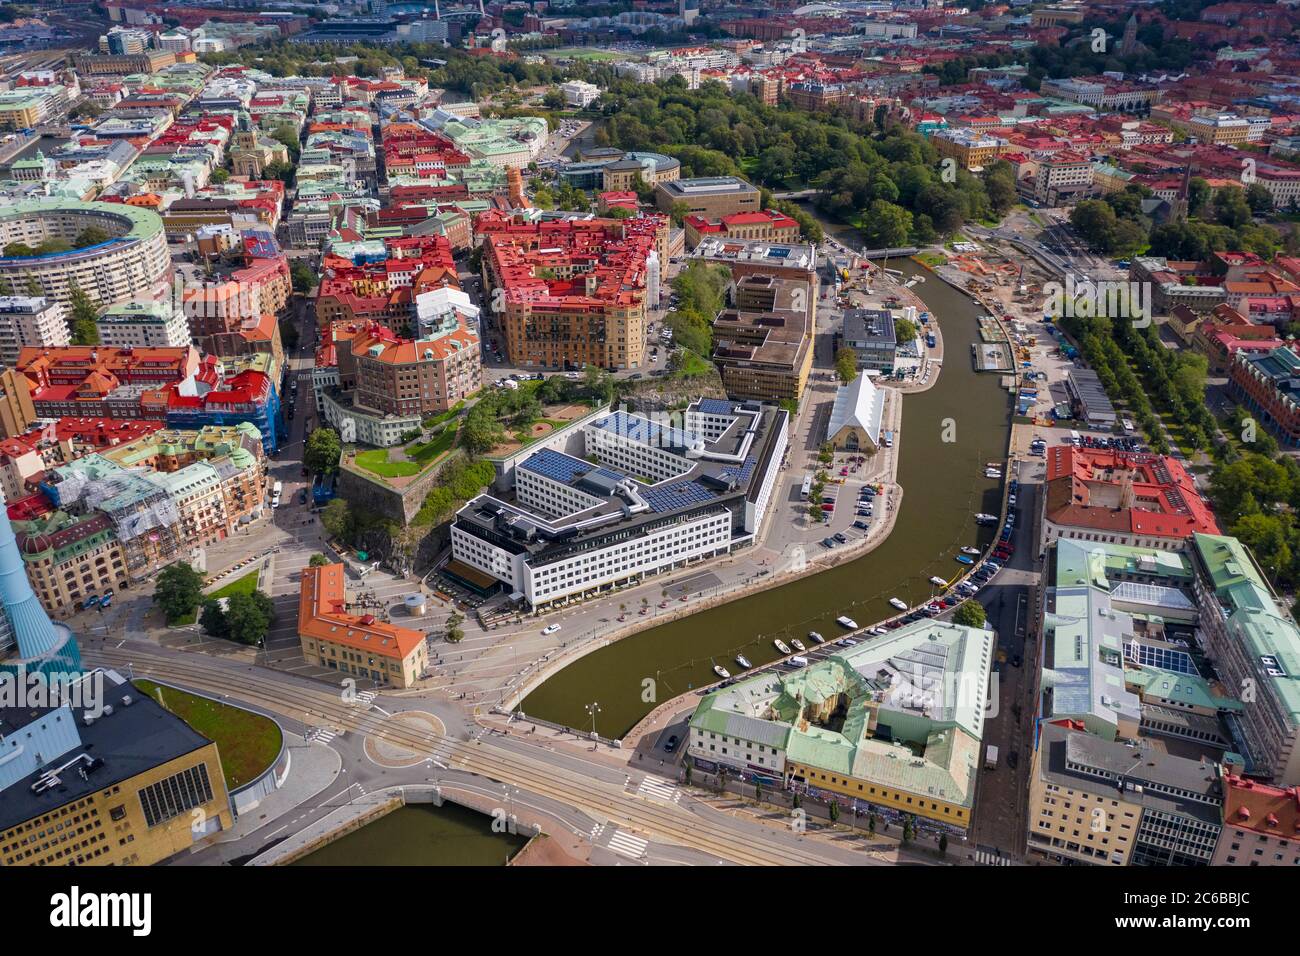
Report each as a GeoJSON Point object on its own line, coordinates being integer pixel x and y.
{"type": "Point", "coordinates": [321, 735]}
{"type": "Point", "coordinates": [627, 844]}
{"type": "Point", "coordinates": [987, 857]}
{"type": "Point", "coordinates": [658, 789]}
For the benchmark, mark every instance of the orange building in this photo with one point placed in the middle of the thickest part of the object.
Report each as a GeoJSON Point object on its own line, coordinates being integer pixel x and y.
{"type": "Point", "coordinates": [361, 646]}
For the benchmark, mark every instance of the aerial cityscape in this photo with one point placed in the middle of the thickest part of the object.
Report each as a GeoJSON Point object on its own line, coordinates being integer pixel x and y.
{"type": "Point", "coordinates": [650, 433]}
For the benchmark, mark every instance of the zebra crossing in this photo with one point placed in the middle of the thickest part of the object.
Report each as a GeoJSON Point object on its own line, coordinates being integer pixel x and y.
{"type": "Point", "coordinates": [320, 735]}
{"type": "Point", "coordinates": [628, 845]}
{"type": "Point", "coordinates": [990, 858]}
{"type": "Point", "coordinates": [658, 789]}
{"type": "Point", "coordinates": [364, 698]}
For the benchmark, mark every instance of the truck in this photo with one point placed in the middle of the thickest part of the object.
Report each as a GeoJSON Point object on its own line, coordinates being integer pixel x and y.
{"type": "Point", "coordinates": [990, 757]}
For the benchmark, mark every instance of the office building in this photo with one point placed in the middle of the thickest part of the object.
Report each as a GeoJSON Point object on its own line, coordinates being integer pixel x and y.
{"type": "Point", "coordinates": [29, 322]}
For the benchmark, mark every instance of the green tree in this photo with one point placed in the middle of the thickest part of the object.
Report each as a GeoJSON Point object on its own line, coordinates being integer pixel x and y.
{"type": "Point", "coordinates": [905, 330]}
{"type": "Point", "coordinates": [846, 364]}
{"type": "Point", "coordinates": [84, 312]}
{"type": "Point", "coordinates": [553, 100]}
{"type": "Point", "coordinates": [453, 632]}
{"type": "Point", "coordinates": [220, 176]}
{"type": "Point", "coordinates": [322, 451]}
{"type": "Point", "coordinates": [970, 614]}
{"type": "Point", "coordinates": [679, 211]}
{"type": "Point", "coordinates": [886, 225]}
{"type": "Point", "coordinates": [247, 620]}
{"type": "Point", "coordinates": [178, 590]}
{"type": "Point", "coordinates": [336, 518]}
{"type": "Point", "coordinates": [90, 236]}
{"type": "Point", "coordinates": [318, 561]}
{"type": "Point", "coordinates": [833, 810]}
{"type": "Point", "coordinates": [213, 619]}
{"type": "Point", "coordinates": [302, 276]}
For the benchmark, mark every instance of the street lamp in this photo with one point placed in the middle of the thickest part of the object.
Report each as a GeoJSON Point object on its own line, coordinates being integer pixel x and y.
{"type": "Point", "coordinates": [592, 710]}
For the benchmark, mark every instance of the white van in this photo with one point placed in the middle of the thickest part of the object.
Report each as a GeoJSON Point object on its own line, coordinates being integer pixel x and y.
{"type": "Point", "coordinates": [276, 489]}
{"type": "Point", "coordinates": [1075, 438]}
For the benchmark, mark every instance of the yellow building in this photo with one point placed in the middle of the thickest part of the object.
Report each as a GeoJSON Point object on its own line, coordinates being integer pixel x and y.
{"type": "Point", "coordinates": [972, 150]}
{"type": "Point", "coordinates": [127, 788]}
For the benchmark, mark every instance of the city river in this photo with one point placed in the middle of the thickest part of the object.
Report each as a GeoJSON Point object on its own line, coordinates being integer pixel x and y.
{"type": "Point", "coordinates": [943, 485]}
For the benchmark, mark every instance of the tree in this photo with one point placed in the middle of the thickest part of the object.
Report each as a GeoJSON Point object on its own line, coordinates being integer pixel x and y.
{"type": "Point", "coordinates": [247, 620]}
{"type": "Point", "coordinates": [318, 561]}
{"type": "Point", "coordinates": [834, 810]}
{"type": "Point", "coordinates": [905, 330]}
{"type": "Point", "coordinates": [679, 211]}
{"type": "Point", "coordinates": [301, 275]}
{"type": "Point", "coordinates": [886, 225]}
{"type": "Point", "coordinates": [84, 313]}
{"type": "Point", "coordinates": [213, 619]}
{"type": "Point", "coordinates": [90, 236]}
{"type": "Point", "coordinates": [220, 176]}
{"type": "Point", "coordinates": [178, 590]}
{"type": "Point", "coordinates": [553, 100]}
{"type": "Point", "coordinates": [846, 364]}
{"type": "Point", "coordinates": [453, 633]}
{"type": "Point", "coordinates": [970, 614]}
{"type": "Point", "coordinates": [943, 843]}
{"type": "Point", "coordinates": [336, 518]}
{"type": "Point", "coordinates": [322, 451]}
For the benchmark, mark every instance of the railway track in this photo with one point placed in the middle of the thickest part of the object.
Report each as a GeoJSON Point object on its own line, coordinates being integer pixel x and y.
{"type": "Point", "coordinates": [723, 836]}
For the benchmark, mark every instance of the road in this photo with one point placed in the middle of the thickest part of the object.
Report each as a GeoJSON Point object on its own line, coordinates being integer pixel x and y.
{"type": "Point", "coordinates": [584, 784]}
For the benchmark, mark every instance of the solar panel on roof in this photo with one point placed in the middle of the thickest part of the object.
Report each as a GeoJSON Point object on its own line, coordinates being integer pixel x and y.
{"type": "Point", "coordinates": [557, 467]}
{"type": "Point", "coordinates": [1180, 662]}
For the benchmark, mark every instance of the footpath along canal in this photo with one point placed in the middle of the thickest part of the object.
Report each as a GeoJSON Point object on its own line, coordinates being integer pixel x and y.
{"type": "Point", "coordinates": [944, 487]}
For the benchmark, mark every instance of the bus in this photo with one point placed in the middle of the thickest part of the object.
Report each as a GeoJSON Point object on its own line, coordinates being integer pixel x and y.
{"type": "Point", "coordinates": [807, 487]}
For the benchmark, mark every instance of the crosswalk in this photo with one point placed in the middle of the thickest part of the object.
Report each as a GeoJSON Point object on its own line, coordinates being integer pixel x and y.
{"type": "Point", "coordinates": [320, 735]}
{"type": "Point", "coordinates": [658, 789]}
{"type": "Point", "coordinates": [989, 858]}
{"type": "Point", "coordinates": [628, 845]}
{"type": "Point", "coordinates": [364, 697]}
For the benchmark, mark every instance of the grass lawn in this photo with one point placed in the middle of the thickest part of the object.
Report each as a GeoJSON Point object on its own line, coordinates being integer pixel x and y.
{"type": "Point", "coordinates": [692, 365]}
{"type": "Point", "coordinates": [428, 451]}
{"type": "Point", "coordinates": [931, 259]}
{"type": "Point", "coordinates": [245, 585]}
{"type": "Point", "coordinates": [376, 460]}
{"type": "Point", "coordinates": [248, 742]}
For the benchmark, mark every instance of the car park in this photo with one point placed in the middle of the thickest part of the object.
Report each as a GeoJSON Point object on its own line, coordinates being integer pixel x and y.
{"type": "Point", "coordinates": [863, 525]}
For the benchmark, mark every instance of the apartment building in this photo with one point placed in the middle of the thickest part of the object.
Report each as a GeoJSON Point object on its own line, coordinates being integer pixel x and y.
{"type": "Point", "coordinates": [1261, 824]}
{"type": "Point", "coordinates": [29, 322]}
{"type": "Point", "coordinates": [17, 413]}
{"type": "Point", "coordinates": [1108, 803]}
{"type": "Point", "coordinates": [570, 292]}
{"type": "Point", "coordinates": [763, 346]}
{"type": "Point", "coordinates": [153, 325]}
{"type": "Point", "coordinates": [972, 150]}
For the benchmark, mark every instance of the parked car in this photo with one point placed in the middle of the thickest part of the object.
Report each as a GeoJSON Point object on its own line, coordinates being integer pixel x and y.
{"type": "Point", "coordinates": [671, 744]}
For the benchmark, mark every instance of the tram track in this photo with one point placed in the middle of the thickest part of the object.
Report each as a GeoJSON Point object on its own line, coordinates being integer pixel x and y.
{"type": "Point", "coordinates": [723, 837]}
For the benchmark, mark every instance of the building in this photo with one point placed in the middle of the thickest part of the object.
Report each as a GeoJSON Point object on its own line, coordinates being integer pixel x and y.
{"type": "Point", "coordinates": [1094, 494]}
{"type": "Point", "coordinates": [122, 64]}
{"type": "Point", "coordinates": [579, 93]}
{"type": "Point", "coordinates": [29, 322]}
{"type": "Point", "coordinates": [749, 257]}
{"type": "Point", "coordinates": [711, 197]}
{"type": "Point", "coordinates": [17, 413]}
{"type": "Point", "coordinates": [572, 292]}
{"type": "Point", "coordinates": [660, 497]}
{"type": "Point", "coordinates": [86, 380]}
{"type": "Point", "coordinates": [894, 724]}
{"type": "Point", "coordinates": [854, 425]}
{"type": "Point", "coordinates": [1088, 399]}
{"type": "Point", "coordinates": [763, 224]}
{"type": "Point", "coordinates": [1063, 179]}
{"type": "Point", "coordinates": [133, 263]}
{"type": "Point", "coordinates": [1103, 802]}
{"type": "Point", "coordinates": [129, 786]}
{"type": "Point", "coordinates": [153, 325]}
{"type": "Point", "coordinates": [763, 347]}
{"type": "Point", "coordinates": [359, 645]}
{"type": "Point", "coordinates": [971, 149]}
{"type": "Point", "coordinates": [871, 333]}
{"type": "Point", "coordinates": [1261, 824]}
{"type": "Point", "coordinates": [1254, 644]}
{"type": "Point", "coordinates": [1269, 386]}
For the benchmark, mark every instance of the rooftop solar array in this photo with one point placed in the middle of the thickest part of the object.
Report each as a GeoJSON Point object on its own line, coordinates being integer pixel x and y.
{"type": "Point", "coordinates": [743, 472]}
{"type": "Point", "coordinates": [678, 494]}
{"type": "Point", "coordinates": [714, 406]}
{"type": "Point", "coordinates": [644, 431]}
{"type": "Point", "coordinates": [556, 466]}
{"type": "Point", "coordinates": [1164, 658]}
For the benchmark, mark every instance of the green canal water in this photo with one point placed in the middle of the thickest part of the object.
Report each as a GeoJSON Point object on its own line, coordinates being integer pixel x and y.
{"type": "Point", "coordinates": [944, 487]}
{"type": "Point", "coordinates": [421, 834]}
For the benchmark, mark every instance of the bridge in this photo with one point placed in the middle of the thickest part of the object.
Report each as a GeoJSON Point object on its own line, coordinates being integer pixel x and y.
{"type": "Point", "coordinates": [890, 253]}
{"type": "Point", "coordinates": [800, 194]}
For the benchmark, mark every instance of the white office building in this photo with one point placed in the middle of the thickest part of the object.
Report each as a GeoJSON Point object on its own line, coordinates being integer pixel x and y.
{"type": "Point", "coordinates": [29, 322]}
{"type": "Point", "coordinates": [149, 325]}
{"type": "Point", "coordinates": [647, 497]}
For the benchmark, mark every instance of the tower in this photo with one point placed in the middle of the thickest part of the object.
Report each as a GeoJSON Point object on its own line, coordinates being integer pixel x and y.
{"type": "Point", "coordinates": [42, 645]}
{"type": "Point", "coordinates": [1128, 43]}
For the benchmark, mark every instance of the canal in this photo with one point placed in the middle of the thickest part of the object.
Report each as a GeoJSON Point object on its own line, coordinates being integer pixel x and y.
{"type": "Point", "coordinates": [943, 488]}
{"type": "Point", "coordinates": [421, 834]}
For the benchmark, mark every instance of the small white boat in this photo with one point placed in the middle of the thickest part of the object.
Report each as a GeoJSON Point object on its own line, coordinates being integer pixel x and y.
{"type": "Point", "coordinates": [798, 645]}
{"type": "Point", "coordinates": [781, 646]}
{"type": "Point", "coordinates": [982, 518]}
{"type": "Point", "coordinates": [990, 473]}
{"type": "Point", "coordinates": [743, 661]}
{"type": "Point", "coordinates": [938, 581]}
{"type": "Point", "coordinates": [847, 622]}
{"type": "Point", "coordinates": [898, 604]}
{"type": "Point", "coordinates": [814, 636]}
{"type": "Point", "coordinates": [721, 671]}
{"type": "Point", "coordinates": [969, 550]}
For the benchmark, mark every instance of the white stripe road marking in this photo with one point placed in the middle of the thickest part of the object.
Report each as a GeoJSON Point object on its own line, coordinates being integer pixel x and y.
{"type": "Point", "coordinates": [651, 787]}
{"type": "Point", "coordinates": [628, 845]}
{"type": "Point", "coordinates": [985, 858]}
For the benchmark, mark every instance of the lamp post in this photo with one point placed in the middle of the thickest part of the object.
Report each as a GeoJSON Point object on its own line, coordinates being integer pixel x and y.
{"type": "Point", "coordinates": [592, 710]}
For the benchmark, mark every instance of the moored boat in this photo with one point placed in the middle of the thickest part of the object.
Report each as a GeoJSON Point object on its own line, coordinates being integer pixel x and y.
{"type": "Point", "coordinates": [902, 606]}
{"type": "Point", "coordinates": [781, 646]}
{"type": "Point", "coordinates": [721, 671]}
{"type": "Point", "coordinates": [743, 661]}
{"type": "Point", "coordinates": [847, 622]}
